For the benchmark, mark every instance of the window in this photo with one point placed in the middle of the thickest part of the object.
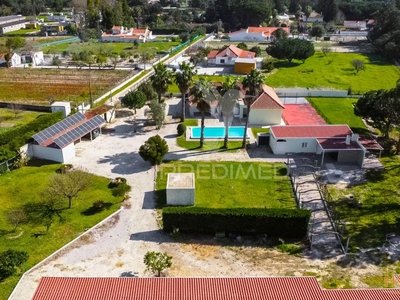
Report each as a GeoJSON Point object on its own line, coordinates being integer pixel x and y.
{"type": "Point", "coordinates": [222, 61]}
{"type": "Point", "coordinates": [303, 145]}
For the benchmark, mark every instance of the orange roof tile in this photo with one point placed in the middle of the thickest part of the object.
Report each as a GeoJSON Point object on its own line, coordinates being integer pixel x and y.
{"type": "Point", "coordinates": [233, 51]}
{"type": "Point", "coordinates": [268, 100]}
{"type": "Point", "coordinates": [311, 131]}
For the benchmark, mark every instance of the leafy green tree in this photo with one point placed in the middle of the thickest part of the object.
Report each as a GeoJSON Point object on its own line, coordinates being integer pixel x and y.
{"type": "Point", "coordinates": [134, 100]}
{"type": "Point", "coordinates": [69, 185]}
{"type": "Point", "coordinates": [14, 43]}
{"type": "Point", "coordinates": [307, 12]}
{"type": "Point", "coordinates": [304, 49]}
{"type": "Point", "coordinates": [7, 58]}
{"type": "Point", "coordinates": [290, 49]}
{"type": "Point", "coordinates": [200, 93]}
{"type": "Point", "coordinates": [317, 31]}
{"type": "Point", "coordinates": [161, 79]}
{"type": "Point", "coordinates": [156, 112]}
{"type": "Point", "coordinates": [16, 217]}
{"type": "Point", "coordinates": [242, 46]}
{"type": "Point", "coordinates": [253, 82]}
{"type": "Point", "coordinates": [153, 150]}
{"type": "Point", "coordinates": [10, 260]}
{"type": "Point", "coordinates": [329, 9]}
{"type": "Point", "coordinates": [280, 33]}
{"type": "Point", "coordinates": [358, 65]}
{"type": "Point", "coordinates": [148, 90]}
{"type": "Point", "coordinates": [196, 59]}
{"type": "Point", "coordinates": [184, 79]}
{"type": "Point", "coordinates": [157, 262]}
{"type": "Point", "coordinates": [256, 50]}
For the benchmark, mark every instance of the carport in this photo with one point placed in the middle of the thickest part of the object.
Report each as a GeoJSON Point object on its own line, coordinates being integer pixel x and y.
{"type": "Point", "coordinates": [347, 150]}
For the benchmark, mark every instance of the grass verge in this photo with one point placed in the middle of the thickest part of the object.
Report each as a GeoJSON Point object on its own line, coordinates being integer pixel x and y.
{"type": "Point", "coordinates": [233, 184]}
{"type": "Point", "coordinates": [10, 118]}
{"type": "Point", "coordinates": [21, 187]}
{"type": "Point", "coordinates": [256, 130]}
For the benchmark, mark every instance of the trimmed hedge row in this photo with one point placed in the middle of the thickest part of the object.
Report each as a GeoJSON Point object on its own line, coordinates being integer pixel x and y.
{"type": "Point", "coordinates": [275, 222]}
{"type": "Point", "coordinates": [11, 140]}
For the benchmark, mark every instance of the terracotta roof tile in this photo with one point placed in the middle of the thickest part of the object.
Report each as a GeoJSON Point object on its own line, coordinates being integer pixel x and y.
{"type": "Point", "coordinates": [267, 100]}
{"type": "Point", "coordinates": [311, 131]}
{"type": "Point", "coordinates": [233, 51]}
{"type": "Point", "coordinates": [98, 111]}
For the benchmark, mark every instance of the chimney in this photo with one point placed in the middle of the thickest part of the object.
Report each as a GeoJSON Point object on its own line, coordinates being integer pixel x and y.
{"type": "Point", "coordinates": [354, 137]}
{"type": "Point", "coordinates": [347, 140]}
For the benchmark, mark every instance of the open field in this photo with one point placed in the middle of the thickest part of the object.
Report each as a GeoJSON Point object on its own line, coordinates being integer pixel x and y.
{"type": "Point", "coordinates": [335, 71]}
{"type": "Point", "coordinates": [380, 211]}
{"type": "Point", "coordinates": [96, 46]}
{"type": "Point", "coordinates": [11, 117]}
{"type": "Point", "coordinates": [39, 86]}
{"type": "Point", "coordinates": [233, 185]}
{"type": "Point", "coordinates": [23, 187]}
{"type": "Point", "coordinates": [338, 111]}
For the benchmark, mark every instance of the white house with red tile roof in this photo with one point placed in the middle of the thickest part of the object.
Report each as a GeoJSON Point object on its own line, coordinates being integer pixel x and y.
{"type": "Point", "coordinates": [228, 56]}
{"type": "Point", "coordinates": [124, 35]}
{"type": "Point", "coordinates": [337, 140]}
{"type": "Point", "coordinates": [261, 288]}
{"type": "Point", "coordinates": [265, 110]}
{"type": "Point", "coordinates": [358, 25]}
{"type": "Point", "coordinates": [256, 34]}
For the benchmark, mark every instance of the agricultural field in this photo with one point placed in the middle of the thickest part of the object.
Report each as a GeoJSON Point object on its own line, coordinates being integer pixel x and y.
{"type": "Point", "coordinates": [15, 116]}
{"type": "Point", "coordinates": [40, 86]}
{"type": "Point", "coordinates": [233, 185]}
{"type": "Point", "coordinates": [339, 111]}
{"type": "Point", "coordinates": [23, 187]}
{"type": "Point", "coordinates": [334, 71]}
{"type": "Point", "coordinates": [95, 46]}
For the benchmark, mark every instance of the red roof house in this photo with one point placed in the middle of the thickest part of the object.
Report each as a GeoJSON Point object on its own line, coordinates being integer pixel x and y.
{"type": "Point", "coordinates": [258, 34]}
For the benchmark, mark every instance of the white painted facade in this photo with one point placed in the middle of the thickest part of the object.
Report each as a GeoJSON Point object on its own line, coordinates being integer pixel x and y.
{"type": "Point", "coordinates": [265, 116]}
{"type": "Point", "coordinates": [54, 154]}
{"type": "Point", "coordinates": [292, 145]}
{"type": "Point", "coordinates": [180, 189]}
{"type": "Point", "coordinates": [244, 36]}
{"type": "Point", "coordinates": [64, 107]}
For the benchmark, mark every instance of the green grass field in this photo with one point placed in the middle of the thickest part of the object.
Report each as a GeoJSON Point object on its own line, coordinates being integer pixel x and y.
{"type": "Point", "coordinates": [23, 31]}
{"type": "Point", "coordinates": [380, 211]}
{"type": "Point", "coordinates": [233, 184]}
{"type": "Point", "coordinates": [95, 46]}
{"type": "Point", "coordinates": [338, 111]}
{"type": "Point", "coordinates": [336, 72]}
{"type": "Point", "coordinates": [9, 118]}
{"type": "Point", "coordinates": [23, 186]}
{"type": "Point", "coordinates": [256, 130]}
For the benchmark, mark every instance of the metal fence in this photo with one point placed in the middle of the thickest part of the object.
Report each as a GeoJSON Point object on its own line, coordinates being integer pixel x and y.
{"type": "Point", "coordinates": [9, 164]}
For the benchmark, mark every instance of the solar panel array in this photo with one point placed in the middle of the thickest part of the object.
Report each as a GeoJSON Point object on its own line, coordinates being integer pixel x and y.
{"type": "Point", "coordinates": [79, 131]}
{"type": "Point", "coordinates": [55, 129]}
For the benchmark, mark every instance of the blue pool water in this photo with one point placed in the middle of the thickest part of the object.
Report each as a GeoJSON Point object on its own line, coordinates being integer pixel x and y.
{"type": "Point", "coordinates": [234, 132]}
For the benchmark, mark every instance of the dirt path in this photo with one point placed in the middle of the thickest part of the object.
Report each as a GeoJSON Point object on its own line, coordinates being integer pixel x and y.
{"type": "Point", "coordinates": [117, 248]}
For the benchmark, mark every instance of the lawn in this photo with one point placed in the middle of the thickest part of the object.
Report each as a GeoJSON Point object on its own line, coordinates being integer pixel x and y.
{"type": "Point", "coordinates": [95, 46]}
{"type": "Point", "coordinates": [38, 86]}
{"type": "Point", "coordinates": [9, 117]}
{"type": "Point", "coordinates": [338, 111]}
{"type": "Point", "coordinates": [335, 71]}
{"type": "Point", "coordinates": [233, 184]}
{"type": "Point", "coordinates": [380, 211]}
{"type": "Point", "coordinates": [20, 187]}
{"type": "Point", "coordinates": [23, 31]}
{"type": "Point", "coordinates": [257, 130]}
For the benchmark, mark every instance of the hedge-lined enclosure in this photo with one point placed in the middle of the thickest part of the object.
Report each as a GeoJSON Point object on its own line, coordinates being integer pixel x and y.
{"type": "Point", "coordinates": [275, 222]}
{"type": "Point", "coordinates": [11, 140]}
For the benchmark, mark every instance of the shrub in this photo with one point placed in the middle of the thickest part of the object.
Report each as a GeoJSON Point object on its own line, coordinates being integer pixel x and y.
{"type": "Point", "coordinates": [267, 64]}
{"type": "Point", "coordinates": [10, 260]}
{"type": "Point", "coordinates": [276, 222]}
{"type": "Point", "coordinates": [64, 169]}
{"type": "Point", "coordinates": [114, 183]}
{"type": "Point", "coordinates": [131, 60]}
{"type": "Point", "coordinates": [153, 150]}
{"type": "Point", "coordinates": [98, 205]}
{"type": "Point", "coordinates": [181, 129]}
{"type": "Point", "coordinates": [136, 56]}
{"type": "Point", "coordinates": [121, 189]}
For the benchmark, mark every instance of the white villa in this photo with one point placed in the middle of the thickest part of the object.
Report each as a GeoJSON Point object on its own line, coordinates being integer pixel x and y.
{"type": "Point", "coordinates": [125, 35]}
{"type": "Point", "coordinates": [257, 34]}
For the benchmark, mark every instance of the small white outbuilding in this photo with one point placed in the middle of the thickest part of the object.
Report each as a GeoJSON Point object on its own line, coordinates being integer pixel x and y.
{"type": "Point", "coordinates": [180, 189]}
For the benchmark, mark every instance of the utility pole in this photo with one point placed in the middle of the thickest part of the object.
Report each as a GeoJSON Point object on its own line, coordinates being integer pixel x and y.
{"type": "Point", "coordinates": [90, 90]}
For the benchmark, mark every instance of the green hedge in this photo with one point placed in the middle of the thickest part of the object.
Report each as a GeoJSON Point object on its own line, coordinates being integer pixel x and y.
{"type": "Point", "coordinates": [275, 222]}
{"type": "Point", "coordinates": [11, 140]}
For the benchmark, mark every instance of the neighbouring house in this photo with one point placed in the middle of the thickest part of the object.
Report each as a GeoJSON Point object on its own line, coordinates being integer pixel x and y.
{"type": "Point", "coordinates": [314, 17]}
{"type": "Point", "coordinates": [57, 142]}
{"type": "Point", "coordinates": [36, 58]}
{"type": "Point", "coordinates": [12, 23]}
{"type": "Point", "coordinates": [358, 25]}
{"type": "Point", "coordinates": [125, 35]}
{"type": "Point", "coordinates": [56, 17]}
{"type": "Point", "coordinates": [283, 17]}
{"type": "Point", "coordinates": [337, 141]}
{"type": "Point", "coordinates": [15, 60]}
{"type": "Point", "coordinates": [243, 61]}
{"type": "Point", "coordinates": [256, 34]}
{"type": "Point", "coordinates": [370, 24]}
{"type": "Point", "coordinates": [52, 30]}
{"type": "Point", "coordinates": [266, 109]}
{"type": "Point", "coordinates": [255, 288]}
{"type": "Point", "coordinates": [215, 109]}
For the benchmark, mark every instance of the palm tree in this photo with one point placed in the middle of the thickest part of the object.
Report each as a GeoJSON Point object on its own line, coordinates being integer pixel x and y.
{"type": "Point", "coordinates": [184, 79]}
{"type": "Point", "coordinates": [201, 95]}
{"type": "Point", "coordinates": [161, 79]}
{"type": "Point", "coordinates": [253, 83]}
{"type": "Point", "coordinates": [229, 91]}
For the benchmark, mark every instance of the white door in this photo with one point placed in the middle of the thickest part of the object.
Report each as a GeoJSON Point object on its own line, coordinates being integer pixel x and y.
{"type": "Point", "coordinates": [280, 147]}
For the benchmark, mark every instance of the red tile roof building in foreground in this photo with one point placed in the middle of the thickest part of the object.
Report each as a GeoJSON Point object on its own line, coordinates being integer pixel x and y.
{"type": "Point", "coordinates": [125, 35]}
{"type": "Point", "coordinates": [272, 288]}
{"type": "Point", "coordinates": [311, 131]}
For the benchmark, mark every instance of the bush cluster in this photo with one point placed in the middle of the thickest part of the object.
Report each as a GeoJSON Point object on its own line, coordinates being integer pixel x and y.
{"type": "Point", "coordinates": [181, 129]}
{"type": "Point", "coordinates": [11, 140]}
{"type": "Point", "coordinates": [119, 187]}
{"type": "Point", "coordinates": [275, 222]}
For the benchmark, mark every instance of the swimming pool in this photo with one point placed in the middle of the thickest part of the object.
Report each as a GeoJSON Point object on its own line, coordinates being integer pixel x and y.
{"type": "Point", "coordinates": [234, 132]}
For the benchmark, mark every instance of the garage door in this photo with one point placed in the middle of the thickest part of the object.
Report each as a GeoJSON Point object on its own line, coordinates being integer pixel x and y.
{"type": "Point", "coordinates": [280, 147]}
